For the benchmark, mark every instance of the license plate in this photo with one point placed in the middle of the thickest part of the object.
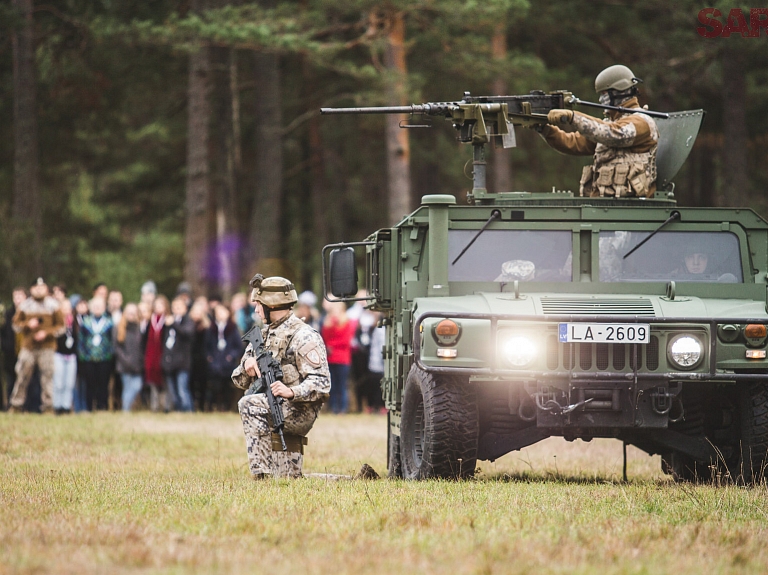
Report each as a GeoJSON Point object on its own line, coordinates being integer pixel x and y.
{"type": "Point", "coordinates": [605, 332]}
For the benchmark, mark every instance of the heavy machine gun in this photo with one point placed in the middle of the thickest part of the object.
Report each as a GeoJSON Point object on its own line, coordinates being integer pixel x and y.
{"type": "Point", "coordinates": [480, 119]}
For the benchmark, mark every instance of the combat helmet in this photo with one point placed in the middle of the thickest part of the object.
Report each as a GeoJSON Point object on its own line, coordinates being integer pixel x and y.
{"type": "Point", "coordinates": [615, 77]}
{"type": "Point", "coordinates": [273, 292]}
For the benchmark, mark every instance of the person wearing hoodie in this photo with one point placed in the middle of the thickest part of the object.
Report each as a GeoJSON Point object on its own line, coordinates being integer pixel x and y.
{"type": "Point", "coordinates": [223, 349]}
{"type": "Point", "coordinates": [178, 336]}
{"type": "Point", "coordinates": [129, 347]}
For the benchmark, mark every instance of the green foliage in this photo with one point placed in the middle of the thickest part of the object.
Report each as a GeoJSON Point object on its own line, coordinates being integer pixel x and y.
{"type": "Point", "coordinates": [112, 91]}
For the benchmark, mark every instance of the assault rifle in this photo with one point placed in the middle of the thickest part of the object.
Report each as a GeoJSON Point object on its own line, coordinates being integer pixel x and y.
{"type": "Point", "coordinates": [271, 372]}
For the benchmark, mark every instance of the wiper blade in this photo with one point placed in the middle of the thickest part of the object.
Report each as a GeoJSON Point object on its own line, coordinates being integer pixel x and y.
{"type": "Point", "coordinates": [495, 215]}
{"type": "Point", "coordinates": [675, 215]}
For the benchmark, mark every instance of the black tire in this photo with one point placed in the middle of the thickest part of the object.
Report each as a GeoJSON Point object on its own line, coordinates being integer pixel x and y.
{"type": "Point", "coordinates": [680, 466]}
{"type": "Point", "coordinates": [754, 433]}
{"type": "Point", "coordinates": [394, 467]}
{"type": "Point", "coordinates": [438, 428]}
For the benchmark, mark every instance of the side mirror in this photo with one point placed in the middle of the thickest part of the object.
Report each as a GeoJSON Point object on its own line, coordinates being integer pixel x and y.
{"type": "Point", "coordinates": [343, 271]}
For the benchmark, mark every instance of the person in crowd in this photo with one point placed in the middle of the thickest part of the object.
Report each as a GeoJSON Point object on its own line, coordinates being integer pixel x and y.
{"type": "Point", "coordinates": [129, 350]}
{"type": "Point", "coordinates": [213, 301]}
{"type": "Point", "coordinates": [95, 351]}
{"type": "Point", "coordinates": [59, 292]}
{"type": "Point", "coordinates": [148, 293]}
{"type": "Point", "coordinates": [100, 290]}
{"type": "Point", "coordinates": [178, 335]}
{"type": "Point", "coordinates": [198, 375]}
{"type": "Point", "coordinates": [153, 369]}
{"type": "Point", "coordinates": [337, 333]}
{"type": "Point", "coordinates": [145, 314]}
{"type": "Point", "coordinates": [184, 291]}
{"type": "Point", "coordinates": [39, 321]}
{"type": "Point", "coordinates": [115, 305]}
{"type": "Point", "coordinates": [307, 312]}
{"type": "Point", "coordinates": [361, 348]}
{"type": "Point", "coordinates": [304, 386]}
{"type": "Point", "coordinates": [81, 311]}
{"type": "Point", "coordinates": [65, 362]}
{"type": "Point", "coordinates": [11, 343]}
{"type": "Point", "coordinates": [223, 349]}
{"type": "Point", "coordinates": [242, 312]}
{"type": "Point", "coordinates": [115, 310]}
{"type": "Point", "coordinates": [372, 389]}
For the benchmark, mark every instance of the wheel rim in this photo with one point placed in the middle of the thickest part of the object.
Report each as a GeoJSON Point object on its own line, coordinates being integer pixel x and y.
{"type": "Point", "coordinates": [419, 435]}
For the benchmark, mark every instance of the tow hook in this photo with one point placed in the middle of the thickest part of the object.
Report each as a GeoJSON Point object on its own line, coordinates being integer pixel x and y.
{"type": "Point", "coordinates": [662, 400]}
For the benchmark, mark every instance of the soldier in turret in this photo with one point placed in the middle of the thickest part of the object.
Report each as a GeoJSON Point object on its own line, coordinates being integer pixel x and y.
{"type": "Point", "coordinates": [624, 145]}
{"type": "Point", "coordinates": [305, 385]}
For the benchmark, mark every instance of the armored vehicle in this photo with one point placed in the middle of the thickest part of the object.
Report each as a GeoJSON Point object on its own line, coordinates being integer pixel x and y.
{"type": "Point", "coordinates": [524, 315]}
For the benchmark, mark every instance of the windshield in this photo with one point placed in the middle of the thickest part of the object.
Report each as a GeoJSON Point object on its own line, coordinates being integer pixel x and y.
{"type": "Point", "coordinates": [509, 255]}
{"type": "Point", "coordinates": [678, 256]}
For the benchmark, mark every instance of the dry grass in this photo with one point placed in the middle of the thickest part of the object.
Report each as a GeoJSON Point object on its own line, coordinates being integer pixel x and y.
{"type": "Point", "coordinates": [171, 494]}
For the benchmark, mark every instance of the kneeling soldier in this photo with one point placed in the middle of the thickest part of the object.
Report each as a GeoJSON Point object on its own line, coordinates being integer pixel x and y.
{"type": "Point", "coordinates": [305, 386]}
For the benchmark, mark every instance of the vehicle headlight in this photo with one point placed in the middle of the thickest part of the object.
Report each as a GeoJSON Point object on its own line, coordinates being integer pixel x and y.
{"type": "Point", "coordinates": [685, 351]}
{"type": "Point", "coordinates": [519, 350]}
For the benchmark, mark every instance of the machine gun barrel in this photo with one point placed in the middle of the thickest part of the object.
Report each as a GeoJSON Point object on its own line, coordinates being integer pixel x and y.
{"type": "Point", "coordinates": [436, 109]}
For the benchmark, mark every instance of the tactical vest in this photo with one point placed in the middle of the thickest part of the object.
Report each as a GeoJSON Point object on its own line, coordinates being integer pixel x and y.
{"type": "Point", "coordinates": [622, 172]}
{"type": "Point", "coordinates": [278, 341]}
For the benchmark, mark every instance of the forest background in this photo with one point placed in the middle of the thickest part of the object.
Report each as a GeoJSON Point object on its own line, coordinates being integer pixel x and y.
{"type": "Point", "coordinates": [181, 139]}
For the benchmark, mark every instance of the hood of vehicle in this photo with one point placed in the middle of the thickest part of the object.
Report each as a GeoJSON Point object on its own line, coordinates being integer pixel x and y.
{"type": "Point", "coordinates": [558, 304]}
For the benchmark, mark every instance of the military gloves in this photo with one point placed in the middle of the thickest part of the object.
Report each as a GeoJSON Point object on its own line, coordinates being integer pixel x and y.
{"type": "Point", "coordinates": [560, 116]}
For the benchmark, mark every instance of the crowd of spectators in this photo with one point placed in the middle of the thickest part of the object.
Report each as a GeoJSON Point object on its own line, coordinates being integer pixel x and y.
{"type": "Point", "coordinates": [175, 355]}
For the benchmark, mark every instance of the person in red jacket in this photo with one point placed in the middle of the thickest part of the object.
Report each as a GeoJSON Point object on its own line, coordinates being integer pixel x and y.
{"type": "Point", "coordinates": [338, 331]}
{"type": "Point", "coordinates": [153, 369]}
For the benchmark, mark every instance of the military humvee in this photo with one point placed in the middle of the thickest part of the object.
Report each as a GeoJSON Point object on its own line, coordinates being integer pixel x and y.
{"type": "Point", "coordinates": [526, 315]}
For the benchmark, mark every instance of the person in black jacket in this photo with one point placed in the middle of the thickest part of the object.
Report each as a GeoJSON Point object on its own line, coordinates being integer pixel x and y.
{"type": "Point", "coordinates": [9, 344]}
{"type": "Point", "coordinates": [223, 349]}
{"type": "Point", "coordinates": [129, 349]}
{"type": "Point", "coordinates": [178, 335]}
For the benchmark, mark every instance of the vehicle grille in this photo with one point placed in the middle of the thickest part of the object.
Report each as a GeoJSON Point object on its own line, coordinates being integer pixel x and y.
{"type": "Point", "coordinates": [619, 306]}
{"type": "Point", "coordinates": [601, 356]}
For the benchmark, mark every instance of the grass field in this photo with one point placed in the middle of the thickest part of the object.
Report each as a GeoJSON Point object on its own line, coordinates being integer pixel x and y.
{"type": "Point", "coordinates": [114, 493]}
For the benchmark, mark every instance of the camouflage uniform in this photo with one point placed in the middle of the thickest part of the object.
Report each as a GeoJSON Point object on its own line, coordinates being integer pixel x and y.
{"type": "Point", "coordinates": [301, 353]}
{"type": "Point", "coordinates": [624, 152]}
{"type": "Point", "coordinates": [36, 353]}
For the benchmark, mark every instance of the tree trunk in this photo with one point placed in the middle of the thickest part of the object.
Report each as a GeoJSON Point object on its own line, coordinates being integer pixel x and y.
{"type": "Point", "coordinates": [266, 230]}
{"type": "Point", "coordinates": [27, 209]}
{"type": "Point", "coordinates": [501, 167]}
{"type": "Point", "coordinates": [735, 160]}
{"type": "Point", "coordinates": [198, 172]}
{"type": "Point", "coordinates": [318, 184]}
{"type": "Point", "coordinates": [225, 153]}
{"type": "Point", "coordinates": [398, 149]}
